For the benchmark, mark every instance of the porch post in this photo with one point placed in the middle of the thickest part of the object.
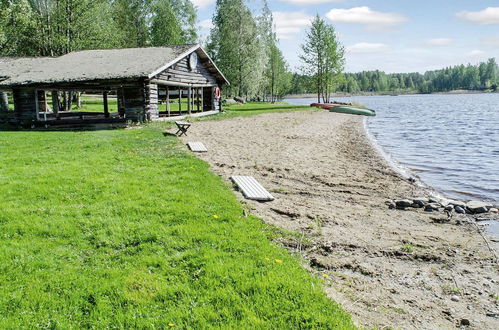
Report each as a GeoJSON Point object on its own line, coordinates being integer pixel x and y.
{"type": "Point", "coordinates": [106, 106]}
{"type": "Point", "coordinates": [168, 100]}
{"type": "Point", "coordinates": [180, 100]}
{"type": "Point", "coordinates": [189, 99]}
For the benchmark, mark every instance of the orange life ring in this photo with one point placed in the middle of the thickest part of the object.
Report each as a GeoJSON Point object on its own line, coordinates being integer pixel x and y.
{"type": "Point", "coordinates": [218, 93]}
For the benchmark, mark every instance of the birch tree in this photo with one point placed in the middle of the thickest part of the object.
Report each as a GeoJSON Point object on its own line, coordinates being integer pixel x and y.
{"type": "Point", "coordinates": [323, 58]}
{"type": "Point", "coordinates": [233, 43]}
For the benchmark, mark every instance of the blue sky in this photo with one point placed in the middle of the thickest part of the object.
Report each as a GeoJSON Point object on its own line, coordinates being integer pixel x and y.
{"type": "Point", "coordinates": [390, 35]}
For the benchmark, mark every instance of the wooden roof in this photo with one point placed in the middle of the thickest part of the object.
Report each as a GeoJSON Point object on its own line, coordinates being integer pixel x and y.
{"type": "Point", "coordinates": [104, 64]}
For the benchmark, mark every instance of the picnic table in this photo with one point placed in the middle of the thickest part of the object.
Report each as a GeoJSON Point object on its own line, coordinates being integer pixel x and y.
{"type": "Point", "coordinates": [183, 126]}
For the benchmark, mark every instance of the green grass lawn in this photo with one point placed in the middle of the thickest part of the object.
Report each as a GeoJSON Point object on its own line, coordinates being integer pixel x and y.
{"type": "Point", "coordinates": [121, 228]}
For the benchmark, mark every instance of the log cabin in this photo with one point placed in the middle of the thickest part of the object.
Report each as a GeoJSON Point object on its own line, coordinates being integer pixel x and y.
{"type": "Point", "coordinates": [147, 83]}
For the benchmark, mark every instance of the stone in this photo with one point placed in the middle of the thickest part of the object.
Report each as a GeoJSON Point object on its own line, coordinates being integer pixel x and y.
{"type": "Point", "coordinates": [449, 207]}
{"type": "Point", "coordinates": [459, 209]}
{"type": "Point", "coordinates": [465, 322]}
{"type": "Point", "coordinates": [432, 200]}
{"type": "Point", "coordinates": [417, 205]}
{"type": "Point", "coordinates": [454, 298]}
{"type": "Point", "coordinates": [444, 202]}
{"type": "Point", "coordinates": [239, 99]}
{"type": "Point", "coordinates": [431, 207]}
{"type": "Point", "coordinates": [391, 205]}
{"type": "Point", "coordinates": [403, 203]}
{"type": "Point", "coordinates": [494, 210]}
{"type": "Point", "coordinates": [420, 200]}
{"type": "Point", "coordinates": [478, 207]}
{"type": "Point", "coordinates": [457, 203]}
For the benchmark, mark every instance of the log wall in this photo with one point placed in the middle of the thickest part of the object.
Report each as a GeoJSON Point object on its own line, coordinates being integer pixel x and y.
{"type": "Point", "coordinates": [134, 103]}
{"type": "Point", "coordinates": [25, 105]}
{"type": "Point", "coordinates": [180, 72]}
{"type": "Point", "coordinates": [151, 101]}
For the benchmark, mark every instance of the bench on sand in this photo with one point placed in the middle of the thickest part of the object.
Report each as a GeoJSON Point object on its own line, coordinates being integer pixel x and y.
{"type": "Point", "coordinates": [251, 189]}
{"type": "Point", "coordinates": [197, 147]}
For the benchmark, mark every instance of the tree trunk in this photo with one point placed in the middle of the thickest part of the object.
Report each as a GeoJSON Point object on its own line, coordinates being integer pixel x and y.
{"type": "Point", "coordinates": [4, 101]}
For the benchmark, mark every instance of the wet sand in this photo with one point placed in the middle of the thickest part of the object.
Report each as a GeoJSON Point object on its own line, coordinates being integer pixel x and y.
{"type": "Point", "coordinates": [404, 269]}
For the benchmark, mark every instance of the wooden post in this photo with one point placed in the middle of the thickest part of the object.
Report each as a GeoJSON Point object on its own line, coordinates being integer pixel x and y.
{"type": "Point", "coordinates": [189, 99]}
{"type": "Point", "coordinates": [213, 101]}
{"type": "Point", "coordinates": [106, 106]}
{"type": "Point", "coordinates": [55, 103]}
{"type": "Point", "coordinates": [120, 97]}
{"type": "Point", "coordinates": [168, 100]}
{"type": "Point", "coordinates": [202, 99]}
{"type": "Point", "coordinates": [197, 98]}
{"type": "Point", "coordinates": [180, 100]}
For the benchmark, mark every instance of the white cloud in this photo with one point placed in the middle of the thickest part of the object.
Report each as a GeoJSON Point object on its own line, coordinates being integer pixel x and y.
{"type": "Point", "coordinates": [201, 4]}
{"type": "Point", "coordinates": [476, 53]}
{"type": "Point", "coordinates": [485, 17]}
{"type": "Point", "coordinates": [290, 24]}
{"type": "Point", "coordinates": [206, 24]}
{"type": "Point", "coordinates": [366, 16]}
{"type": "Point", "coordinates": [492, 41]}
{"type": "Point", "coordinates": [440, 42]}
{"type": "Point", "coordinates": [311, 2]}
{"type": "Point", "coordinates": [366, 47]}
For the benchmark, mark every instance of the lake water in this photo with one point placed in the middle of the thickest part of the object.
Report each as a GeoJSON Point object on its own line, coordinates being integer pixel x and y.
{"type": "Point", "coordinates": [450, 141]}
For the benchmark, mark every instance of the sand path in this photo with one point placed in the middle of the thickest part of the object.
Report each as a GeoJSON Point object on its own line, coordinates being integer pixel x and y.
{"type": "Point", "coordinates": [386, 267]}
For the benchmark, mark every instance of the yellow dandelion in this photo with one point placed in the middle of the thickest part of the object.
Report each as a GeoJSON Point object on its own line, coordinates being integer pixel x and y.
{"type": "Point", "coordinates": [278, 261]}
{"type": "Point", "coordinates": [171, 324]}
{"type": "Point", "coordinates": [325, 275]}
{"type": "Point", "coordinates": [216, 216]}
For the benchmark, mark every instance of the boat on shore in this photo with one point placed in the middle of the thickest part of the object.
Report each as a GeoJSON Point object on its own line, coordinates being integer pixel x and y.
{"type": "Point", "coordinates": [344, 108]}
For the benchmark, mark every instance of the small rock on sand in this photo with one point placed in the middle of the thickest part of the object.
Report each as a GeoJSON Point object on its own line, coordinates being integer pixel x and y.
{"type": "Point", "coordinates": [431, 207]}
{"type": "Point", "coordinates": [465, 322]}
{"type": "Point", "coordinates": [391, 204]}
{"type": "Point", "coordinates": [478, 207]}
{"type": "Point", "coordinates": [403, 203]}
{"type": "Point", "coordinates": [459, 209]}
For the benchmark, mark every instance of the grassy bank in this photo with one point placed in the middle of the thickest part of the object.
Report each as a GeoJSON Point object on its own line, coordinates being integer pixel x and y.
{"type": "Point", "coordinates": [121, 228]}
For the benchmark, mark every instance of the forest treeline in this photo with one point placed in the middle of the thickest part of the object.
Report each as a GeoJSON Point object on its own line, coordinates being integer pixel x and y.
{"type": "Point", "coordinates": [242, 42]}
{"type": "Point", "coordinates": [481, 77]}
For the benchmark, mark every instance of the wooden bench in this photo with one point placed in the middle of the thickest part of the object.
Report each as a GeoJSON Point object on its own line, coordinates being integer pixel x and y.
{"type": "Point", "coordinates": [183, 126]}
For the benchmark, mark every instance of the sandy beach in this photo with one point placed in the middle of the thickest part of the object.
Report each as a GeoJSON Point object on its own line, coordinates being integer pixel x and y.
{"type": "Point", "coordinates": [388, 268]}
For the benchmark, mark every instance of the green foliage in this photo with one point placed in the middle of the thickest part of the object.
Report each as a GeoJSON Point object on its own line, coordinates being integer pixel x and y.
{"type": "Point", "coordinates": [234, 43]}
{"type": "Point", "coordinates": [165, 27]}
{"type": "Point", "coordinates": [323, 58]}
{"type": "Point", "coordinates": [57, 27]}
{"type": "Point", "coordinates": [246, 50]}
{"type": "Point", "coordinates": [409, 248]}
{"type": "Point", "coordinates": [123, 229]}
{"type": "Point", "coordinates": [484, 76]}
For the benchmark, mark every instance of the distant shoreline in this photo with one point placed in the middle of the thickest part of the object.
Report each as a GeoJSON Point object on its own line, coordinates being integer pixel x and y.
{"type": "Point", "coordinates": [453, 92]}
